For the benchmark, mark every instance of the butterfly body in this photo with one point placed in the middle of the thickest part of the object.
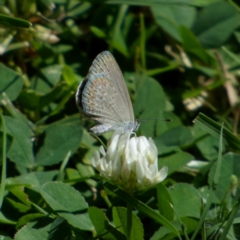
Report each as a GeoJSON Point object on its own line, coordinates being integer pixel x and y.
{"type": "Point", "coordinates": [103, 96]}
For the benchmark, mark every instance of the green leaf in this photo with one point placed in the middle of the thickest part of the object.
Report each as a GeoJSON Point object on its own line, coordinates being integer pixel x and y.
{"type": "Point", "coordinates": [63, 48]}
{"type": "Point", "coordinates": [205, 192]}
{"type": "Point", "coordinates": [103, 226]}
{"type": "Point", "coordinates": [215, 24]}
{"type": "Point", "coordinates": [40, 85]}
{"type": "Point", "coordinates": [19, 194]}
{"type": "Point", "coordinates": [207, 144]}
{"type": "Point", "coordinates": [149, 110]}
{"type": "Point", "coordinates": [232, 55]}
{"type": "Point", "coordinates": [230, 167]}
{"type": "Point", "coordinates": [52, 73]}
{"type": "Point", "coordinates": [190, 224]}
{"type": "Point", "coordinates": [56, 93]}
{"type": "Point", "coordinates": [120, 220]}
{"type": "Point", "coordinates": [57, 108]}
{"type": "Point", "coordinates": [31, 232]}
{"type": "Point", "coordinates": [18, 206]}
{"type": "Point", "coordinates": [60, 139]}
{"type": "Point", "coordinates": [98, 32]}
{"type": "Point", "coordinates": [13, 111]}
{"type": "Point", "coordinates": [192, 45]}
{"type": "Point", "coordinates": [68, 203]}
{"type": "Point", "coordinates": [72, 174]}
{"type": "Point", "coordinates": [28, 218]}
{"type": "Point", "coordinates": [173, 138]}
{"type": "Point", "coordinates": [177, 136]}
{"type": "Point", "coordinates": [87, 139]}
{"type": "Point", "coordinates": [36, 101]}
{"type": "Point", "coordinates": [213, 128]}
{"type": "Point", "coordinates": [175, 161]}
{"type": "Point", "coordinates": [29, 99]}
{"type": "Point", "coordinates": [165, 203]}
{"type": "Point", "coordinates": [60, 229]}
{"type": "Point", "coordinates": [208, 147]}
{"type": "Point", "coordinates": [148, 87]}
{"type": "Point", "coordinates": [68, 75]}
{"type": "Point", "coordinates": [20, 151]}
{"type": "Point", "coordinates": [79, 9]}
{"type": "Point", "coordinates": [47, 4]}
{"type": "Point", "coordinates": [11, 83]}
{"type": "Point", "coordinates": [6, 220]}
{"type": "Point", "coordinates": [184, 193]}
{"type": "Point", "coordinates": [14, 22]}
{"type": "Point", "coordinates": [171, 17]}
{"type": "Point", "coordinates": [5, 237]}
{"type": "Point", "coordinates": [34, 179]}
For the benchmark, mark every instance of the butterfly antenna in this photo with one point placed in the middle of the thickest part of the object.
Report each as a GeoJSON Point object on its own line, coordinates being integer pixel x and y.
{"type": "Point", "coordinates": [153, 119]}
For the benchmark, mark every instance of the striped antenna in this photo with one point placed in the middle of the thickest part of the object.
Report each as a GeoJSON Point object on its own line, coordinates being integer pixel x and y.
{"type": "Point", "coordinates": [153, 119]}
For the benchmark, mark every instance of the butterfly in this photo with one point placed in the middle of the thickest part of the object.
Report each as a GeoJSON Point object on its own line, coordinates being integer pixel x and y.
{"type": "Point", "coordinates": [103, 97]}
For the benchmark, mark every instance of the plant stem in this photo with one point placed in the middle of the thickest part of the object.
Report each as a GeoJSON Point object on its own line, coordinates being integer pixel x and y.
{"type": "Point", "coordinates": [129, 221]}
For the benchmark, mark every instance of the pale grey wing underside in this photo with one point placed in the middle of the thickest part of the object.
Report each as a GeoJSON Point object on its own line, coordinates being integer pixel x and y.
{"type": "Point", "coordinates": [99, 99]}
{"type": "Point", "coordinates": [106, 64]}
{"type": "Point", "coordinates": [103, 96]}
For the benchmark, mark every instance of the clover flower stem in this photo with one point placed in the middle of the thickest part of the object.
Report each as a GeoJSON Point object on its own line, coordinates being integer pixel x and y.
{"type": "Point", "coordinates": [129, 220]}
{"type": "Point", "coordinates": [105, 198]}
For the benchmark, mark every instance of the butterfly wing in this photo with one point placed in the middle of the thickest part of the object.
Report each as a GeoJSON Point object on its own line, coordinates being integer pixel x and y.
{"type": "Point", "coordinates": [103, 95]}
{"type": "Point", "coordinates": [106, 64]}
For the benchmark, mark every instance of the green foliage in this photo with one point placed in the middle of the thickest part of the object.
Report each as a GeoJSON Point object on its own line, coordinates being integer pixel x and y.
{"type": "Point", "coordinates": [120, 219]}
{"type": "Point", "coordinates": [178, 58]}
{"type": "Point", "coordinates": [11, 82]}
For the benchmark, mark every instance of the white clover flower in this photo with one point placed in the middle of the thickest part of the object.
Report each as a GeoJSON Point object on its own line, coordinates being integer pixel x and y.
{"type": "Point", "coordinates": [131, 163]}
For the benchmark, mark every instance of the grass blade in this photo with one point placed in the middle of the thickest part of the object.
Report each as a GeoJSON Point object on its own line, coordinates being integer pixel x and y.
{"type": "Point", "coordinates": [230, 220]}
{"type": "Point", "coordinates": [14, 22]}
{"type": "Point", "coordinates": [142, 42]}
{"type": "Point", "coordinates": [213, 128]}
